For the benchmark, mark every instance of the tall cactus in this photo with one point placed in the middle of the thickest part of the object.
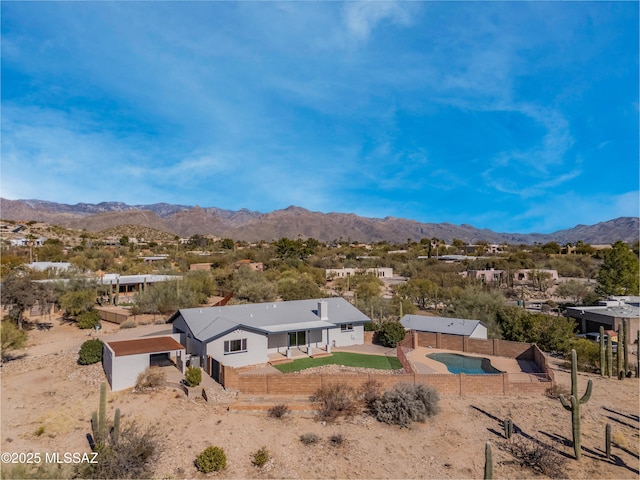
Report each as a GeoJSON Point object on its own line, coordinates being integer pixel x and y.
{"type": "Point", "coordinates": [607, 440]}
{"type": "Point", "coordinates": [609, 356]}
{"type": "Point", "coordinates": [102, 413]}
{"type": "Point", "coordinates": [488, 462]}
{"type": "Point", "coordinates": [625, 352]}
{"type": "Point", "coordinates": [99, 421]}
{"type": "Point", "coordinates": [115, 434]}
{"type": "Point", "coordinates": [603, 364]}
{"type": "Point", "coordinates": [573, 405]}
{"type": "Point", "coordinates": [620, 354]}
{"type": "Point", "coordinates": [508, 428]}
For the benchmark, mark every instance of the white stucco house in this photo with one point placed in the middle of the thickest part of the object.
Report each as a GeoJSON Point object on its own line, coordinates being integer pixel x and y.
{"type": "Point", "coordinates": [243, 335]}
{"type": "Point", "coordinates": [451, 326]}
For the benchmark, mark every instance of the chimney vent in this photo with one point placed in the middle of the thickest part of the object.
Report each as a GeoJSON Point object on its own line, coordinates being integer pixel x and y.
{"type": "Point", "coordinates": [323, 310]}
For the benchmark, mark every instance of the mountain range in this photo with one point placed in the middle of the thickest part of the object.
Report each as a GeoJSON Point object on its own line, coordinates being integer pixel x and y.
{"type": "Point", "coordinates": [291, 222]}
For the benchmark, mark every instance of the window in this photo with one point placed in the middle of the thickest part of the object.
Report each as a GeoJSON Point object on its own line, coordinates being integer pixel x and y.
{"type": "Point", "coordinates": [346, 327]}
{"type": "Point", "coordinates": [235, 346]}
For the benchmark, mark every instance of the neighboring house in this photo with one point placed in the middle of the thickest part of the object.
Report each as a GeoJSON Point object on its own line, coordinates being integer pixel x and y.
{"type": "Point", "coordinates": [381, 272]}
{"type": "Point", "coordinates": [124, 360]}
{"type": "Point", "coordinates": [525, 275]}
{"type": "Point", "coordinates": [242, 335]}
{"type": "Point", "coordinates": [486, 276]}
{"type": "Point", "coordinates": [451, 326]}
{"type": "Point", "coordinates": [129, 285]}
{"type": "Point", "coordinates": [44, 266]}
{"type": "Point", "coordinates": [609, 314]}
{"type": "Point", "coordinates": [255, 266]}
{"type": "Point", "coordinates": [25, 242]}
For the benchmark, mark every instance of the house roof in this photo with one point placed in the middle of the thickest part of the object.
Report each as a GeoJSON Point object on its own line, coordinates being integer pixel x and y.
{"type": "Point", "coordinates": [275, 317]}
{"type": "Point", "coordinates": [138, 346]}
{"type": "Point", "coordinates": [453, 326]}
{"type": "Point", "coordinates": [113, 278]}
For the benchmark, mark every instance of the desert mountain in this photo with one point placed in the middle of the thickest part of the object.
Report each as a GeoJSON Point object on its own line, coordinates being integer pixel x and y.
{"type": "Point", "coordinates": [291, 222]}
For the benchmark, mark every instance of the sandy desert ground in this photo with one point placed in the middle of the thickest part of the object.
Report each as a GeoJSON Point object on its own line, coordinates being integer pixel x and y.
{"type": "Point", "coordinates": [46, 388]}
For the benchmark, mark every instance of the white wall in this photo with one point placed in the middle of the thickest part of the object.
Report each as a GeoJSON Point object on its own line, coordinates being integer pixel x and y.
{"type": "Point", "coordinates": [338, 338]}
{"type": "Point", "coordinates": [126, 369]}
{"type": "Point", "coordinates": [256, 349]}
{"type": "Point", "coordinates": [479, 332]}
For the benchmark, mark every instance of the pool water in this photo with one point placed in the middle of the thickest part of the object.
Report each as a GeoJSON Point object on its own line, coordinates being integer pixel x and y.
{"type": "Point", "coordinates": [457, 363]}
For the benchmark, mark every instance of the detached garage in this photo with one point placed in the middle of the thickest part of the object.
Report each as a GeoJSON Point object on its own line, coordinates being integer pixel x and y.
{"type": "Point", "coordinates": [124, 360]}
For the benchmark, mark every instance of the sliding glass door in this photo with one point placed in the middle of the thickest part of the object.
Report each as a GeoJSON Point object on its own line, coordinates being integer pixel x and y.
{"type": "Point", "coordinates": [297, 339]}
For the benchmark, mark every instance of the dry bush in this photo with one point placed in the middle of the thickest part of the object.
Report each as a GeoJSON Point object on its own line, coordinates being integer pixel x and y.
{"type": "Point", "coordinates": [556, 390]}
{"type": "Point", "coordinates": [211, 459]}
{"type": "Point", "coordinates": [370, 392]}
{"type": "Point", "coordinates": [619, 439]}
{"type": "Point", "coordinates": [151, 379]}
{"type": "Point", "coordinates": [336, 440]}
{"type": "Point", "coordinates": [335, 401]}
{"type": "Point", "coordinates": [133, 455]}
{"type": "Point", "coordinates": [261, 457]}
{"type": "Point", "coordinates": [309, 438]}
{"type": "Point", "coordinates": [278, 411]}
{"type": "Point", "coordinates": [407, 403]}
{"type": "Point", "coordinates": [536, 455]}
{"type": "Point", "coordinates": [128, 324]}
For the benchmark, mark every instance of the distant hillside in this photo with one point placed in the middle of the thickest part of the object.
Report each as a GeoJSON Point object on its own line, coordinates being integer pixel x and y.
{"type": "Point", "coordinates": [292, 222]}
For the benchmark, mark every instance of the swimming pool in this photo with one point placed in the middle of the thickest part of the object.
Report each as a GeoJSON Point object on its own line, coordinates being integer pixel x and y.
{"type": "Point", "coordinates": [457, 363]}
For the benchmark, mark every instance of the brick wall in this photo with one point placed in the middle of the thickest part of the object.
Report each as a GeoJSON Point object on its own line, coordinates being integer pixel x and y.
{"type": "Point", "coordinates": [505, 384]}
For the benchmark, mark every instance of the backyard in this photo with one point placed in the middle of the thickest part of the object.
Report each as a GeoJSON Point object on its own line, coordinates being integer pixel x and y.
{"type": "Point", "coordinates": [348, 359]}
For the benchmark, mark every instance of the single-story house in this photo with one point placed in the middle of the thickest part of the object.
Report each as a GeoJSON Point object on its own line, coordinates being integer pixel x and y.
{"type": "Point", "coordinates": [451, 326]}
{"type": "Point", "coordinates": [609, 314]}
{"type": "Point", "coordinates": [242, 335]}
{"type": "Point", "coordinates": [124, 360]}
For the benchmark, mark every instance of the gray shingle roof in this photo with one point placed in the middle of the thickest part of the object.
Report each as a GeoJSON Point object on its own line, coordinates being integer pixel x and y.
{"type": "Point", "coordinates": [212, 322]}
{"type": "Point", "coordinates": [453, 326]}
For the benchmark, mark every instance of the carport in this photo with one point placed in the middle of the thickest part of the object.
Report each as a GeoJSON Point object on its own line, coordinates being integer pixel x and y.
{"type": "Point", "coordinates": [124, 360]}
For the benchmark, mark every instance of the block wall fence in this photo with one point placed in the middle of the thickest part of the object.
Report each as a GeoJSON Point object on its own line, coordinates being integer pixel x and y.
{"type": "Point", "coordinates": [447, 384]}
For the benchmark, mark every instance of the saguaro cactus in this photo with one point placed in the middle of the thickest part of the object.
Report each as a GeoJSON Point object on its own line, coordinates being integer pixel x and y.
{"type": "Point", "coordinates": [488, 462]}
{"type": "Point", "coordinates": [573, 405]}
{"type": "Point", "coordinates": [99, 421]}
{"type": "Point", "coordinates": [115, 434]}
{"type": "Point", "coordinates": [625, 352]}
{"type": "Point", "coordinates": [609, 356]}
{"type": "Point", "coordinates": [603, 364]}
{"type": "Point", "coordinates": [620, 354]}
{"type": "Point", "coordinates": [607, 440]}
{"type": "Point", "coordinates": [508, 428]}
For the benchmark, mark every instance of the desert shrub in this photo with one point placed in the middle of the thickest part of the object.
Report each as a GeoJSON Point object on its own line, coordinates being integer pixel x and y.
{"type": "Point", "coordinates": [193, 376]}
{"type": "Point", "coordinates": [336, 439]}
{"type": "Point", "coordinates": [90, 352]}
{"type": "Point", "coordinates": [588, 353]}
{"type": "Point", "coordinates": [391, 333]}
{"type": "Point", "coordinates": [369, 392]}
{"type": "Point", "coordinates": [12, 337]}
{"type": "Point", "coordinates": [335, 401]}
{"type": "Point", "coordinates": [309, 438]}
{"type": "Point", "coordinates": [406, 403]}
{"type": "Point", "coordinates": [261, 457]}
{"type": "Point", "coordinates": [619, 439]}
{"type": "Point", "coordinates": [39, 431]}
{"type": "Point", "coordinates": [45, 471]}
{"type": "Point", "coordinates": [556, 390]}
{"type": "Point", "coordinates": [211, 459]}
{"type": "Point", "coordinates": [278, 411]}
{"type": "Point", "coordinates": [151, 379]}
{"type": "Point", "coordinates": [536, 455]}
{"type": "Point", "coordinates": [88, 319]}
{"type": "Point", "coordinates": [129, 324]}
{"type": "Point", "coordinates": [133, 455]}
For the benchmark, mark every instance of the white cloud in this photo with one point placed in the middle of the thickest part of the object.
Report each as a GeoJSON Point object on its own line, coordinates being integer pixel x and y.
{"type": "Point", "coordinates": [363, 16]}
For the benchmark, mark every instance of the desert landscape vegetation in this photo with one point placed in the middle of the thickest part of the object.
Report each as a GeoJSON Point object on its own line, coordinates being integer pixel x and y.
{"type": "Point", "coordinates": [48, 398]}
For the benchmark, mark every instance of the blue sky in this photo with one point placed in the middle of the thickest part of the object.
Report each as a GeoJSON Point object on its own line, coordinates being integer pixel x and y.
{"type": "Point", "coordinates": [518, 117]}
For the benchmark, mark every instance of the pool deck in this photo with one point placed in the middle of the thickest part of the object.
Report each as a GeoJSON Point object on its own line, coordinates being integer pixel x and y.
{"type": "Point", "coordinates": [422, 364]}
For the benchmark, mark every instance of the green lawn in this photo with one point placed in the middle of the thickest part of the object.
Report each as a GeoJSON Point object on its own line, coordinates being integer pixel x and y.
{"type": "Point", "coordinates": [380, 362]}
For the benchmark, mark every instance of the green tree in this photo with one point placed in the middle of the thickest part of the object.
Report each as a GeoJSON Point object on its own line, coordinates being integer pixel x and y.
{"type": "Point", "coordinates": [618, 274]}
{"type": "Point", "coordinates": [475, 303]}
{"type": "Point", "coordinates": [295, 286]}
{"type": "Point", "coordinates": [551, 334]}
{"type": "Point", "coordinates": [391, 333]}
{"type": "Point", "coordinates": [575, 290]}
{"type": "Point", "coordinates": [227, 244]}
{"type": "Point", "coordinates": [12, 337]}
{"type": "Point", "coordinates": [76, 302]}
{"type": "Point", "coordinates": [252, 286]}
{"type": "Point", "coordinates": [19, 294]}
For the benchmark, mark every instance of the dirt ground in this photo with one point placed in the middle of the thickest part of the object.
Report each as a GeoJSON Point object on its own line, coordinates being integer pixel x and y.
{"type": "Point", "coordinates": [47, 400]}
